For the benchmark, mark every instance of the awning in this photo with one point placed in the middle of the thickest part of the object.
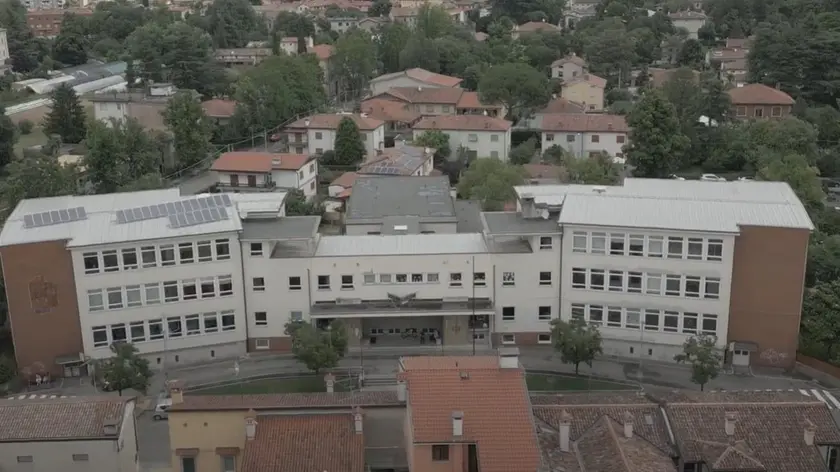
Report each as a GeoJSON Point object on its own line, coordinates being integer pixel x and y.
{"type": "Point", "coordinates": [743, 346]}
{"type": "Point", "coordinates": [77, 358]}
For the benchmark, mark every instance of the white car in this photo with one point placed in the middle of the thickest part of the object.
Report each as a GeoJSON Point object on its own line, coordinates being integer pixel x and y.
{"type": "Point", "coordinates": [711, 178]}
{"type": "Point", "coordinates": [676, 177]}
{"type": "Point", "coordinates": [745, 179]}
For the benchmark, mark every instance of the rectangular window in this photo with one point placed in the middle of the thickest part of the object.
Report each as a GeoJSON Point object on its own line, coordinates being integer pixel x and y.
{"type": "Point", "coordinates": [205, 251]}
{"type": "Point", "coordinates": [294, 283]}
{"type": "Point", "coordinates": [225, 285]}
{"type": "Point", "coordinates": [222, 249]}
{"type": "Point", "coordinates": [653, 284]}
{"type": "Point", "coordinates": [508, 279]}
{"type": "Point", "coordinates": [347, 282]}
{"type": "Point", "coordinates": [578, 311]}
{"type": "Point", "coordinates": [189, 288]}
{"type": "Point", "coordinates": [637, 245]}
{"type": "Point", "coordinates": [228, 464]}
{"type": "Point", "coordinates": [596, 279]}
{"type": "Point", "coordinates": [655, 246]}
{"type": "Point", "coordinates": [95, 300]}
{"type": "Point", "coordinates": [614, 317]}
{"type": "Point", "coordinates": [174, 327]}
{"type": "Point", "coordinates": [80, 457]}
{"type": "Point", "coordinates": [709, 324]}
{"type": "Point", "coordinates": [257, 249]}
{"type": "Point", "coordinates": [672, 285]}
{"type": "Point", "coordinates": [211, 323]}
{"type": "Point", "coordinates": [479, 279]}
{"type": "Point", "coordinates": [24, 459]}
{"type": "Point", "coordinates": [138, 331]}
{"type": "Point", "coordinates": [440, 452]}
{"type": "Point", "coordinates": [455, 279]}
{"type": "Point", "coordinates": [634, 282]}
{"type": "Point", "coordinates": [741, 111]}
{"type": "Point", "coordinates": [579, 242]}
{"type": "Point", "coordinates": [695, 249]}
{"type": "Point", "coordinates": [132, 296]}
{"type": "Point", "coordinates": [689, 323]}
{"type": "Point", "coordinates": [508, 339]}
{"type": "Point", "coordinates": [543, 338]}
{"type": "Point", "coordinates": [578, 277]}
{"type": "Point", "coordinates": [544, 313]}
{"type": "Point", "coordinates": [675, 247]}
{"type": "Point", "coordinates": [508, 313]}
{"type": "Point", "coordinates": [617, 244]}
{"type": "Point", "coordinates": [599, 243]}
{"type": "Point", "coordinates": [712, 290]}
{"type": "Point", "coordinates": [634, 318]}
{"type": "Point", "coordinates": [318, 134]}
{"type": "Point", "coordinates": [418, 278]}
{"type": "Point", "coordinates": [545, 242]}
{"type": "Point", "coordinates": [692, 287]}
{"type": "Point", "coordinates": [149, 256]}
{"type": "Point", "coordinates": [714, 250]}
{"type": "Point", "coordinates": [652, 320]}
{"type": "Point", "coordinates": [109, 260]}
{"type": "Point", "coordinates": [129, 257]}
{"type": "Point", "coordinates": [152, 293]}
{"type": "Point", "coordinates": [473, 138]}
{"type": "Point", "coordinates": [384, 278]}
{"type": "Point", "coordinates": [188, 464]}
{"type": "Point", "coordinates": [776, 111]}
{"type": "Point", "coordinates": [401, 278]}
{"type": "Point", "coordinates": [494, 138]}
{"type": "Point", "coordinates": [432, 278]}
{"type": "Point", "coordinates": [120, 335]}
{"type": "Point", "coordinates": [100, 336]}
{"type": "Point", "coordinates": [259, 284]}
{"type": "Point", "coordinates": [155, 330]}
{"type": "Point", "coordinates": [261, 318]}
{"type": "Point", "coordinates": [616, 281]}
{"type": "Point", "coordinates": [91, 260]}
{"type": "Point", "coordinates": [570, 138]}
{"type": "Point", "coordinates": [115, 300]}
{"type": "Point", "coordinates": [545, 279]}
{"type": "Point", "coordinates": [323, 282]}
{"type": "Point", "coordinates": [228, 320]}
{"type": "Point", "coordinates": [671, 322]}
{"type": "Point", "coordinates": [170, 291]}
{"type": "Point", "coordinates": [296, 315]}
{"type": "Point", "coordinates": [208, 287]}
{"type": "Point", "coordinates": [167, 255]}
{"type": "Point", "coordinates": [549, 136]}
{"type": "Point", "coordinates": [619, 139]}
{"type": "Point", "coordinates": [596, 314]}
{"type": "Point", "coordinates": [595, 138]}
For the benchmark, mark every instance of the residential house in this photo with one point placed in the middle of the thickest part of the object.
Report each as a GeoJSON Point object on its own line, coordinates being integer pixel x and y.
{"type": "Point", "coordinates": [397, 115]}
{"type": "Point", "coordinates": [241, 57]}
{"type": "Point", "coordinates": [688, 20]}
{"type": "Point", "coordinates": [482, 136]}
{"type": "Point", "coordinates": [411, 78]}
{"type": "Point", "coordinates": [759, 101]}
{"type": "Point", "coordinates": [268, 11]}
{"type": "Point", "coordinates": [371, 24]}
{"type": "Point", "coordinates": [247, 171]}
{"type": "Point", "coordinates": [290, 45]}
{"type": "Point", "coordinates": [340, 24]}
{"type": "Point", "coordinates": [735, 72]}
{"type": "Point", "coordinates": [339, 191]}
{"type": "Point", "coordinates": [315, 134]}
{"type": "Point", "coordinates": [587, 90]}
{"type": "Point", "coordinates": [404, 15]}
{"type": "Point", "coordinates": [4, 49]}
{"type": "Point", "coordinates": [578, 10]}
{"type": "Point", "coordinates": [146, 107]}
{"type": "Point", "coordinates": [42, 433]}
{"type": "Point", "coordinates": [219, 110]}
{"type": "Point", "coordinates": [533, 27]}
{"type": "Point", "coordinates": [732, 60]}
{"type": "Point", "coordinates": [585, 134]}
{"type": "Point", "coordinates": [324, 52]}
{"type": "Point", "coordinates": [569, 68]}
{"type": "Point", "coordinates": [47, 23]}
{"type": "Point", "coordinates": [556, 105]}
{"type": "Point", "coordinates": [430, 101]}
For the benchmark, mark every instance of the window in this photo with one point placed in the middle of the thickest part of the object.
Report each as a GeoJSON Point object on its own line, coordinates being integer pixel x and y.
{"type": "Point", "coordinates": [228, 464]}
{"type": "Point", "coordinates": [167, 255]}
{"type": "Point", "coordinates": [323, 282]}
{"type": "Point", "coordinates": [570, 138]}
{"type": "Point", "coordinates": [455, 279]}
{"type": "Point", "coordinates": [261, 318]}
{"type": "Point", "coordinates": [149, 256]}
{"type": "Point", "coordinates": [318, 134]}
{"type": "Point", "coordinates": [596, 279]}
{"type": "Point", "coordinates": [205, 251]}
{"type": "Point", "coordinates": [776, 111]}
{"type": "Point", "coordinates": [672, 285]}
{"type": "Point", "coordinates": [473, 138]}
{"type": "Point", "coordinates": [579, 242]}
{"type": "Point", "coordinates": [402, 278]}
{"type": "Point", "coordinates": [508, 279]}
{"type": "Point", "coordinates": [596, 138]}
{"type": "Point", "coordinates": [155, 329]}
{"type": "Point", "coordinates": [418, 278]}
{"type": "Point", "coordinates": [712, 290]}
{"type": "Point", "coordinates": [596, 314]}
{"type": "Point", "coordinates": [633, 319]}
{"type": "Point", "coordinates": [758, 112]}
{"type": "Point", "coordinates": [544, 313]}
{"type": "Point", "coordinates": [432, 278]}
{"type": "Point", "coordinates": [634, 282]}
{"type": "Point", "coordinates": [671, 322]}
{"type": "Point", "coordinates": [208, 287]}
{"type": "Point", "coordinates": [508, 313]}
{"type": "Point", "coordinates": [222, 249]}
{"type": "Point", "coordinates": [257, 249]}
{"type": "Point", "coordinates": [259, 284]}
{"type": "Point", "coordinates": [741, 111]}
{"type": "Point", "coordinates": [614, 317]}
{"type": "Point", "coordinates": [494, 154]}
{"type": "Point", "coordinates": [692, 287]}
{"type": "Point", "coordinates": [190, 289]}
{"type": "Point", "coordinates": [714, 250]}
{"type": "Point", "coordinates": [174, 327]}
{"type": "Point", "coordinates": [654, 284]}
{"type": "Point", "coordinates": [170, 291]}
{"type": "Point", "coordinates": [616, 281]}
{"type": "Point", "coordinates": [655, 245]}
{"type": "Point", "coordinates": [637, 245]}
{"type": "Point", "coordinates": [225, 285]}
{"type": "Point", "coordinates": [619, 139]}
{"type": "Point", "coordinates": [384, 278]}
{"type": "Point", "coordinates": [545, 278]}
{"type": "Point", "coordinates": [689, 323]}
{"type": "Point", "coordinates": [709, 324]}
{"type": "Point", "coordinates": [695, 248]}
{"type": "Point", "coordinates": [91, 260]}
{"type": "Point", "coordinates": [129, 257]}
{"type": "Point", "coordinates": [599, 243]}
{"type": "Point", "coordinates": [296, 315]}
{"type": "Point", "coordinates": [118, 333]}
{"type": "Point", "coordinates": [347, 282]}
{"type": "Point", "coordinates": [545, 242]}
{"type": "Point", "coordinates": [543, 338]}
{"type": "Point", "coordinates": [211, 323]}
{"type": "Point", "coordinates": [152, 293]}
{"type": "Point", "coordinates": [294, 283]}
{"type": "Point", "coordinates": [187, 464]}
{"type": "Point", "coordinates": [100, 336]}
{"type": "Point", "coordinates": [193, 323]}
{"type": "Point", "coordinates": [95, 300]}
{"type": "Point", "coordinates": [578, 277]}
{"type": "Point", "coordinates": [494, 138]}
{"type": "Point", "coordinates": [549, 137]}
{"type": "Point", "coordinates": [652, 320]}
{"type": "Point", "coordinates": [479, 279]}
{"type": "Point", "coordinates": [114, 298]}
{"type": "Point", "coordinates": [508, 339]}
{"type": "Point", "coordinates": [578, 311]}
{"type": "Point", "coordinates": [369, 279]}
{"type": "Point", "coordinates": [24, 458]}
{"type": "Point", "coordinates": [132, 296]}
{"type": "Point", "coordinates": [616, 244]}
{"type": "Point", "coordinates": [109, 259]}
{"type": "Point", "coordinates": [80, 457]}
{"type": "Point", "coordinates": [430, 108]}
{"type": "Point", "coordinates": [675, 247]}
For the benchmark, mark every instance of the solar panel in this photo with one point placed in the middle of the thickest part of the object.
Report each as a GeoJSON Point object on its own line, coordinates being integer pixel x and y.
{"type": "Point", "coordinates": [194, 218]}
{"type": "Point", "coordinates": [170, 209]}
{"type": "Point", "coordinates": [52, 217]}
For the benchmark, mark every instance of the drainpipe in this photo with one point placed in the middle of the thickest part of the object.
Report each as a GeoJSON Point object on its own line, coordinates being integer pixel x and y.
{"type": "Point", "coordinates": [244, 294]}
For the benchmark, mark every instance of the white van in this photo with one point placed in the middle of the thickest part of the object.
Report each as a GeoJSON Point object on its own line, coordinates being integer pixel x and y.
{"type": "Point", "coordinates": [162, 409]}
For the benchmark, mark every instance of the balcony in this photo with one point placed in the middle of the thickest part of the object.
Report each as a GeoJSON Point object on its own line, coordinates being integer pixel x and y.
{"type": "Point", "coordinates": [402, 306]}
{"type": "Point", "coordinates": [249, 185]}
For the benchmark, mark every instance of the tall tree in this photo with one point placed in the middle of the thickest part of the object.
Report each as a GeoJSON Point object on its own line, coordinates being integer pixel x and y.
{"type": "Point", "coordinates": [315, 348]}
{"type": "Point", "coordinates": [433, 21]}
{"type": "Point", "coordinates": [380, 8]}
{"type": "Point", "coordinates": [491, 182]}
{"type": "Point", "coordinates": [298, 205]}
{"type": "Point", "coordinates": [594, 170]}
{"type": "Point", "coordinates": [67, 116]}
{"type": "Point", "coordinates": [291, 24]}
{"type": "Point", "coordinates": [523, 153]}
{"type": "Point", "coordinates": [232, 22]}
{"type": "Point", "coordinates": [691, 54]}
{"type": "Point", "coordinates": [576, 341]}
{"type": "Point", "coordinates": [349, 146]}
{"type": "Point", "coordinates": [23, 50]}
{"type": "Point", "coordinates": [119, 154]}
{"type": "Point", "coordinates": [796, 171]}
{"type": "Point", "coordinates": [437, 140]}
{"type": "Point", "coordinates": [704, 357]}
{"type": "Point", "coordinates": [353, 63]}
{"type": "Point", "coordinates": [125, 369]}
{"type": "Point", "coordinates": [519, 87]}
{"type": "Point", "coordinates": [71, 45]}
{"type": "Point", "coordinates": [190, 128]}
{"type": "Point", "coordinates": [821, 318]}
{"type": "Point", "coordinates": [8, 138]}
{"type": "Point", "coordinates": [36, 177]}
{"type": "Point", "coordinates": [390, 41]}
{"type": "Point", "coordinates": [657, 146]}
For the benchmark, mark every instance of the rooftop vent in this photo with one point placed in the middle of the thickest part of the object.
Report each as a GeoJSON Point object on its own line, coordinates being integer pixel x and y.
{"type": "Point", "coordinates": [599, 189]}
{"type": "Point", "coordinates": [110, 427]}
{"type": "Point", "coordinates": [457, 424]}
{"type": "Point", "coordinates": [464, 375]}
{"type": "Point", "coordinates": [275, 161]}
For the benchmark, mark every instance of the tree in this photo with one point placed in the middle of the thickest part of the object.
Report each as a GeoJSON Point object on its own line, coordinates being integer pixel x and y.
{"type": "Point", "coordinates": [353, 63]}
{"type": "Point", "coordinates": [691, 54]}
{"type": "Point", "coordinates": [420, 51]}
{"type": "Point", "coordinates": [67, 116]}
{"type": "Point", "coordinates": [190, 128]}
{"type": "Point", "coordinates": [795, 170]}
{"type": "Point", "coordinates": [23, 49]}
{"type": "Point", "coordinates": [557, 156]}
{"type": "Point", "coordinates": [349, 146]}
{"type": "Point", "coordinates": [8, 138]}
{"type": "Point", "coordinates": [36, 177]}
{"type": "Point", "coordinates": [657, 145]}
{"type": "Point", "coordinates": [823, 259]}
{"type": "Point", "coordinates": [433, 21]}
{"type": "Point", "coordinates": [25, 127]}
{"type": "Point", "coordinates": [119, 154]}
{"type": "Point", "coordinates": [437, 140]}
{"type": "Point", "coordinates": [380, 8]}
{"type": "Point", "coordinates": [576, 341]}
{"type": "Point", "coordinates": [7, 369]}
{"type": "Point", "coordinates": [390, 42]}
{"type": "Point", "coordinates": [705, 359]}
{"type": "Point", "coordinates": [519, 87]}
{"type": "Point", "coordinates": [821, 317]}
{"type": "Point", "coordinates": [523, 153]}
{"type": "Point", "coordinates": [298, 205]}
{"type": "Point", "coordinates": [491, 182]}
{"type": "Point", "coordinates": [71, 45]}
{"type": "Point", "coordinates": [291, 24]}
{"type": "Point", "coordinates": [232, 22]}
{"type": "Point", "coordinates": [125, 369]}
{"type": "Point", "coordinates": [317, 349]}
{"type": "Point", "coordinates": [594, 170]}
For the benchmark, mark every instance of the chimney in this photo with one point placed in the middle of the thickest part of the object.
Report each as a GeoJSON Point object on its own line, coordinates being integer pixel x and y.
{"type": "Point", "coordinates": [110, 427]}
{"type": "Point", "coordinates": [358, 425]}
{"type": "Point", "coordinates": [176, 392]}
{"type": "Point", "coordinates": [251, 425]}
{"type": "Point", "coordinates": [553, 95]}
{"type": "Point", "coordinates": [810, 432]}
{"type": "Point", "coordinates": [306, 122]}
{"type": "Point", "coordinates": [329, 379]}
{"type": "Point", "coordinates": [457, 424]}
{"type": "Point", "coordinates": [509, 358]}
{"type": "Point", "coordinates": [419, 89]}
{"type": "Point", "coordinates": [427, 150]}
{"type": "Point", "coordinates": [628, 425]}
{"type": "Point", "coordinates": [565, 431]}
{"type": "Point", "coordinates": [402, 390]}
{"type": "Point", "coordinates": [275, 162]}
{"type": "Point", "coordinates": [730, 418]}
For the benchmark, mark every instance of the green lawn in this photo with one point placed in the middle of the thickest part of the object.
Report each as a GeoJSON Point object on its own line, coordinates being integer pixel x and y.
{"type": "Point", "coordinates": [558, 383]}
{"type": "Point", "coordinates": [303, 384]}
{"type": "Point", "coordinates": [34, 138]}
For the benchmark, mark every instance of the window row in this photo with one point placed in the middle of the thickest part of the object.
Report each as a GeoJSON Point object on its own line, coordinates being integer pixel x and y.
{"type": "Point", "coordinates": [648, 319]}
{"type": "Point", "coordinates": [162, 255]}
{"type": "Point", "coordinates": [640, 245]}
{"type": "Point", "coordinates": [261, 317]}
{"type": "Point", "coordinates": [455, 279]}
{"type": "Point", "coordinates": [130, 296]}
{"type": "Point", "coordinates": [509, 313]}
{"type": "Point", "coordinates": [172, 327]}
{"type": "Point", "coordinates": [510, 338]}
{"type": "Point", "coordinates": [651, 283]}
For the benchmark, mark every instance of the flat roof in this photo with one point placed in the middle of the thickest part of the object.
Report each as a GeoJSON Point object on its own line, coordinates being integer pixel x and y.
{"type": "Point", "coordinates": [376, 197]}
{"type": "Point", "coordinates": [512, 223]}
{"type": "Point", "coordinates": [405, 244]}
{"type": "Point", "coordinates": [288, 227]}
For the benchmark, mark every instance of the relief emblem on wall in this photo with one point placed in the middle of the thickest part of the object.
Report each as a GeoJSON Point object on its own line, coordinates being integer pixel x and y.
{"type": "Point", "coordinates": [43, 295]}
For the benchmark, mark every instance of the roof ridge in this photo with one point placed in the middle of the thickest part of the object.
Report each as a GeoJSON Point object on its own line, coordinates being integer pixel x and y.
{"type": "Point", "coordinates": [749, 403]}
{"type": "Point", "coordinates": [614, 437]}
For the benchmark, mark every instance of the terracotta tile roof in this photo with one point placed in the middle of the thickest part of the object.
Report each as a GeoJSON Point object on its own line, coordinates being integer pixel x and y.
{"type": "Point", "coordinates": [260, 162]}
{"type": "Point", "coordinates": [472, 100]}
{"type": "Point", "coordinates": [296, 443]}
{"type": "Point", "coordinates": [286, 401]}
{"type": "Point", "coordinates": [219, 108]}
{"type": "Point", "coordinates": [345, 180]}
{"type": "Point", "coordinates": [463, 123]}
{"type": "Point", "coordinates": [726, 54]}
{"type": "Point", "coordinates": [584, 123]}
{"type": "Point", "coordinates": [60, 419]}
{"type": "Point", "coordinates": [389, 110]}
{"type": "Point", "coordinates": [738, 65]}
{"type": "Point", "coordinates": [738, 43]}
{"type": "Point", "coordinates": [563, 105]}
{"type": "Point", "coordinates": [422, 75]}
{"type": "Point", "coordinates": [322, 51]}
{"type": "Point", "coordinates": [658, 77]}
{"type": "Point", "coordinates": [591, 79]}
{"type": "Point", "coordinates": [331, 121]}
{"type": "Point", "coordinates": [759, 94]}
{"type": "Point", "coordinates": [545, 171]}
{"type": "Point", "coordinates": [532, 26]}
{"type": "Point", "coordinates": [494, 403]}
{"type": "Point", "coordinates": [435, 95]}
{"type": "Point", "coordinates": [402, 12]}
{"type": "Point", "coordinates": [399, 160]}
{"type": "Point", "coordinates": [573, 58]}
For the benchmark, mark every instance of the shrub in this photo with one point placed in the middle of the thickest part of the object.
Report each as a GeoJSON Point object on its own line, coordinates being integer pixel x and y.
{"type": "Point", "coordinates": [25, 126]}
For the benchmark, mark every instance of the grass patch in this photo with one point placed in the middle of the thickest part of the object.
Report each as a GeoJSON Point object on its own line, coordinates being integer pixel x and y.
{"type": "Point", "coordinates": [304, 384]}
{"type": "Point", "coordinates": [559, 383]}
{"type": "Point", "coordinates": [34, 138]}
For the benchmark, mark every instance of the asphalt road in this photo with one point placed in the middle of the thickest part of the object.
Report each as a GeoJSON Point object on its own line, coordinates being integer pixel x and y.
{"type": "Point", "coordinates": [153, 442]}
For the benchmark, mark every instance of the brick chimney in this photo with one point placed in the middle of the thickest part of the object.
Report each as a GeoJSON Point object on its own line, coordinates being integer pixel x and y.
{"type": "Point", "coordinates": [628, 425]}
{"type": "Point", "coordinates": [402, 390]}
{"type": "Point", "coordinates": [810, 432]}
{"type": "Point", "coordinates": [176, 391]}
{"type": "Point", "coordinates": [251, 425]}
{"type": "Point", "coordinates": [730, 418]}
{"type": "Point", "coordinates": [358, 420]}
{"type": "Point", "coordinates": [565, 431]}
{"type": "Point", "coordinates": [457, 424]}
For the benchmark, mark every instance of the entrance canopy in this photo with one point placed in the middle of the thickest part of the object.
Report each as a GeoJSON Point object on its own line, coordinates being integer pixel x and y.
{"type": "Point", "coordinates": [349, 307]}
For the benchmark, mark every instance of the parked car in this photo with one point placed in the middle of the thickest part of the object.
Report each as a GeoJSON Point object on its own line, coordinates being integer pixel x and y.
{"type": "Point", "coordinates": [162, 409]}
{"type": "Point", "coordinates": [676, 177]}
{"type": "Point", "coordinates": [711, 178]}
{"type": "Point", "coordinates": [275, 137]}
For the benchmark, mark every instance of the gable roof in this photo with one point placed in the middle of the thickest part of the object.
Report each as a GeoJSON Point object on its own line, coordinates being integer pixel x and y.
{"type": "Point", "coordinates": [332, 120]}
{"type": "Point", "coordinates": [322, 51]}
{"type": "Point", "coordinates": [398, 160]}
{"type": "Point", "coordinates": [463, 123]}
{"type": "Point", "coordinates": [573, 58]}
{"type": "Point", "coordinates": [584, 123]}
{"type": "Point", "coordinates": [389, 110]}
{"type": "Point", "coordinates": [61, 419]}
{"type": "Point", "coordinates": [422, 75]}
{"type": "Point", "coordinates": [563, 105]}
{"type": "Point", "coordinates": [590, 79]}
{"type": "Point", "coordinates": [436, 95]}
{"type": "Point", "coordinates": [345, 180]}
{"type": "Point", "coordinates": [659, 76]}
{"type": "Point", "coordinates": [758, 94]}
{"type": "Point", "coordinates": [219, 108]}
{"type": "Point", "coordinates": [259, 162]}
{"type": "Point", "coordinates": [532, 26]}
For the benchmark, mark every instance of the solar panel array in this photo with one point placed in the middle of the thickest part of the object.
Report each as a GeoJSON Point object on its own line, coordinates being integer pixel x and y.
{"type": "Point", "coordinates": [382, 170]}
{"type": "Point", "coordinates": [198, 217]}
{"type": "Point", "coordinates": [162, 210]}
{"type": "Point", "coordinates": [53, 217]}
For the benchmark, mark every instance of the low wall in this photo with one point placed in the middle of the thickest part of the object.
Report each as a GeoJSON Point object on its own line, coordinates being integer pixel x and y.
{"type": "Point", "coordinates": [819, 370]}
